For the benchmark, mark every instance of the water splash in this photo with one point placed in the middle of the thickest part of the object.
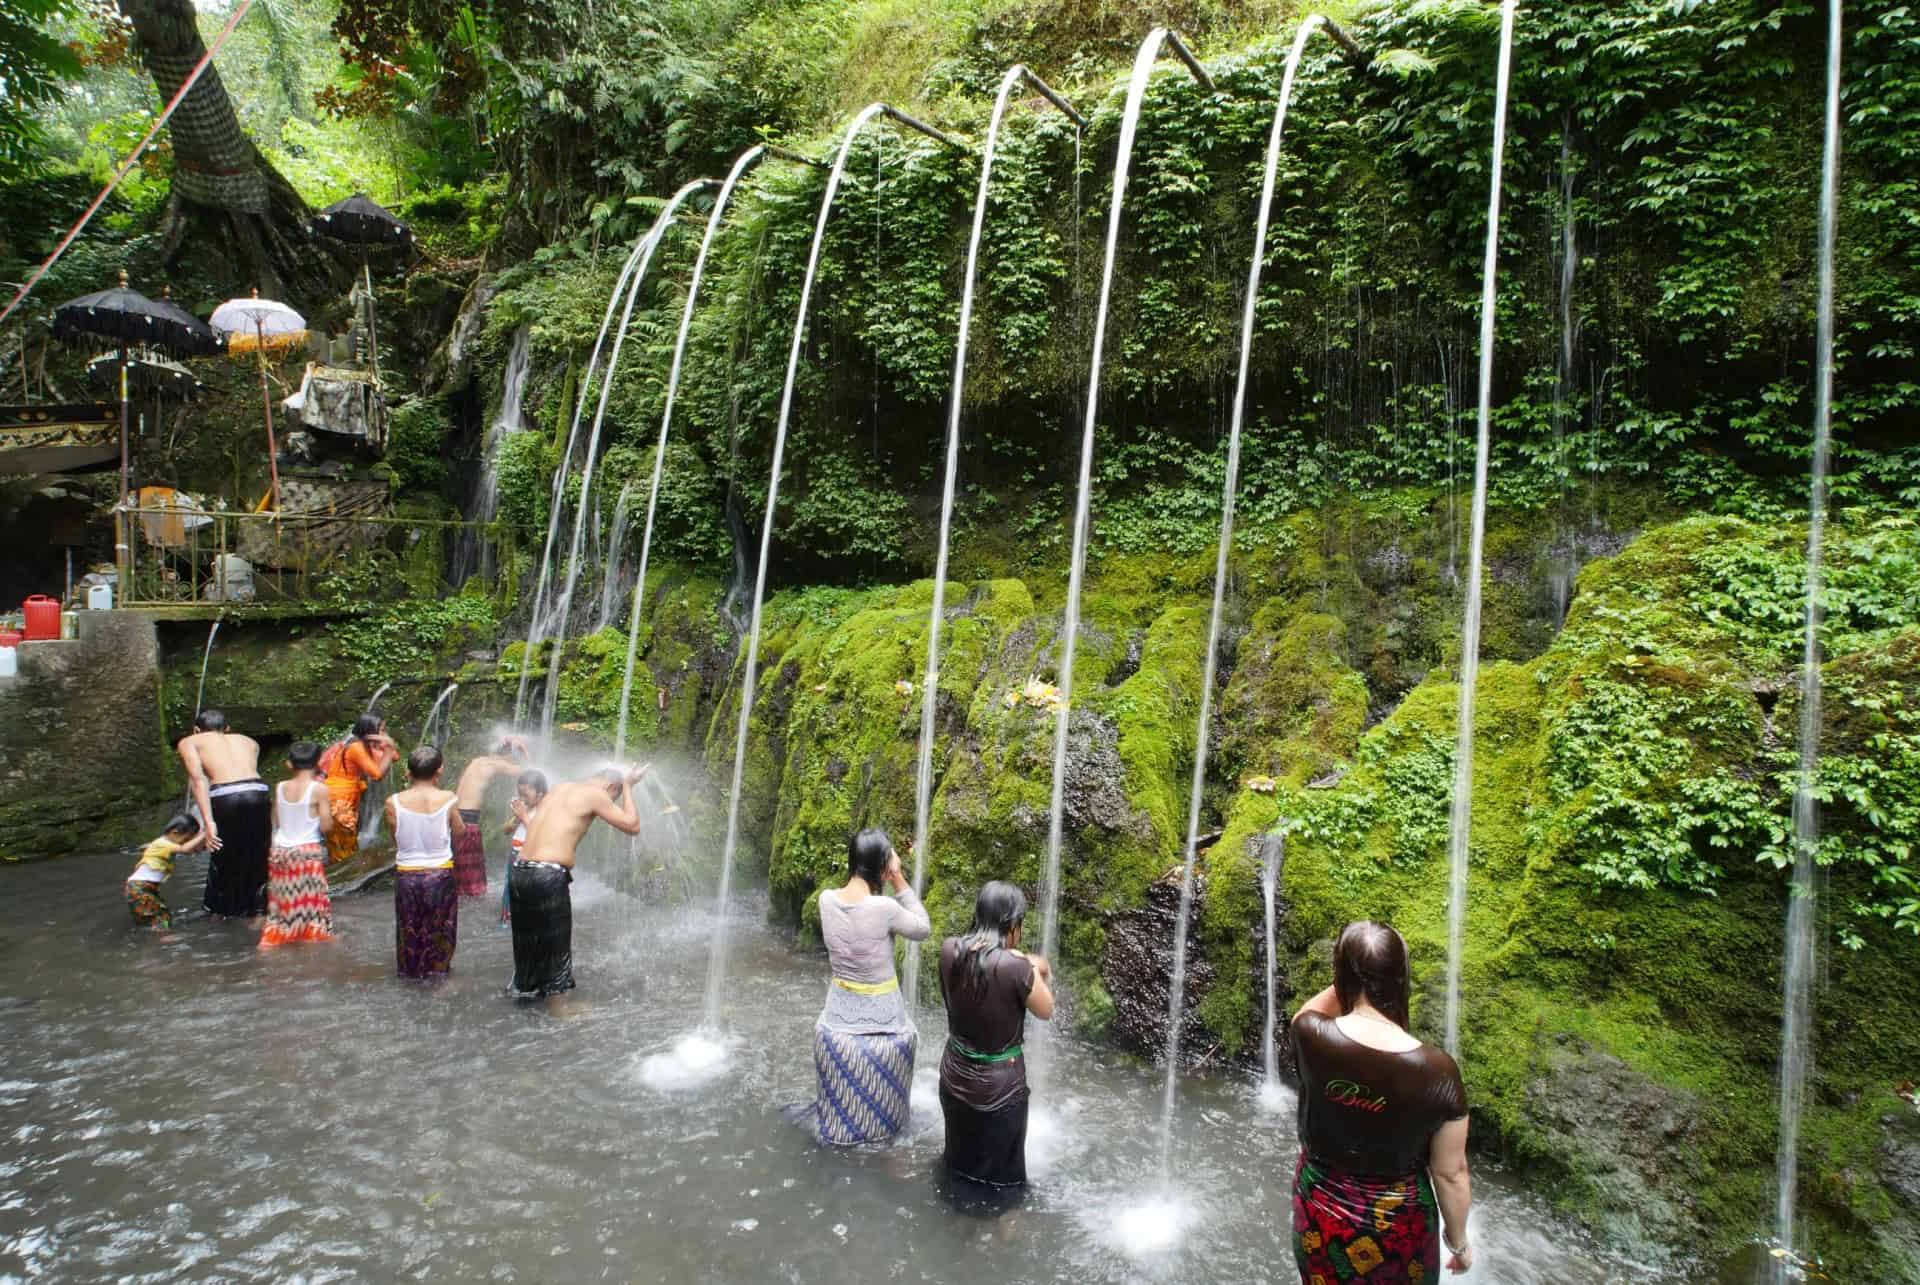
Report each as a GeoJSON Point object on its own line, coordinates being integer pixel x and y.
{"type": "Point", "coordinates": [930, 685]}
{"type": "Point", "coordinates": [1796, 1050]}
{"type": "Point", "coordinates": [1273, 859]}
{"type": "Point", "coordinates": [1460, 821]}
{"type": "Point", "coordinates": [1176, 990]}
{"type": "Point", "coordinates": [1143, 63]}
{"type": "Point", "coordinates": [563, 605]}
{"type": "Point", "coordinates": [745, 161]}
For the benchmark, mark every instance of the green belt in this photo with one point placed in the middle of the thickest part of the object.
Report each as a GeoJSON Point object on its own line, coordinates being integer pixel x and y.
{"type": "Point", "coordinates": [1005, 1055]}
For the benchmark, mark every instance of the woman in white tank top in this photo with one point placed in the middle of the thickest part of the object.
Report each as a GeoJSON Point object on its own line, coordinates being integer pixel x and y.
{"type": "Point", "coordinates": [298, 905]}
{"type": "Point", "coordinates": [426, 897]}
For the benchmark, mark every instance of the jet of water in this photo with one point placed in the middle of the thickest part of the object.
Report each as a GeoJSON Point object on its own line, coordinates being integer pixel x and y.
{"type": "Point", "coordinates": [929, 688]}
{"type": "Point", "coordinates": [717, 960]}
{"type": "Point", "coordinates": [1796, 1052]}
{"type": "Point", "coordinates": [200, 696]}
{"type": "Point", "coordinates": [1177, 990]}
{"type": "Point", "coordinates": [1461, 820]}
{"type": "Point", "coordinates": [537, 624]}
{"type": "Point", "coordinates": [610, 573]}
{"type": "Point", "coordinates": [434, 730]}
{"type": "Point", "coordinates": [1143, 63]}
{"type": "Point", "coordinates": [745, 161]}
{"type": "Point", "coordinates": [1273, 858]}
{"type": "Point", "coordinates": [564, 604]}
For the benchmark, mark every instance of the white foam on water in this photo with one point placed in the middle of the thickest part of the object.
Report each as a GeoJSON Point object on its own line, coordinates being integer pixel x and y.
{"type": "Point", "coordinates": [1051, 1135]}
{"type": "Point", "coordinates": [924, 1102]}
{"type": "Point", "coordinates": [1275, 1098]}
{"type": "Point", "coordinates": [693, 1061]}
{"type": "Point", "coordinates": [1152, 1226]}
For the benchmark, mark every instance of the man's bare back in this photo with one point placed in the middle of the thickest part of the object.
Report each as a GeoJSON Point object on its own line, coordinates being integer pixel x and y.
{"type": "Point", "coordinates": [483, 771]}
{"type": "Point", "coordinates": [570, 809]}
{"type": "Point", "coordinates": [222, 756]}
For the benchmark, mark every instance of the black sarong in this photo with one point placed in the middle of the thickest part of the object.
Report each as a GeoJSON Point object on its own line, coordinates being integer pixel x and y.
{"type": "Point", "coordinates": [542, 929]}
{"type": "Point", "coordinates": [237, 873]}
{"type": "Point", "coordinates": [987, 1147]}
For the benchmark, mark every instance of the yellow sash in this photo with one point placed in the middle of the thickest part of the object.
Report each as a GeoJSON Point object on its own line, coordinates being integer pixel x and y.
{"type": "Point", "coordinates": [869, 988]}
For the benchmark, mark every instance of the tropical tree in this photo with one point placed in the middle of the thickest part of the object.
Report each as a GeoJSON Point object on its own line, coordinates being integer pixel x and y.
{"type": "Point", "coordinates": [223, 188]}
{"type": "Point", "coordinates": [35, 67]}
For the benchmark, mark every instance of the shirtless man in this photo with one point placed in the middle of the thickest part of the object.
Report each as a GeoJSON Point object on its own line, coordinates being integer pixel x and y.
{"type": "Point", "coordinates": [537, 882]}
{"type": "Point", "coordinates": [223, 769]}
{"type": "Point", "coordinates": [469, 847]}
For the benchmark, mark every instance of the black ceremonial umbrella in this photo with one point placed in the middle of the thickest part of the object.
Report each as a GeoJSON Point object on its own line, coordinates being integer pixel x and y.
{"type": "Point", "coordinates": [124, 316]}
{"type": "Point", "coordinates": [360, 220]}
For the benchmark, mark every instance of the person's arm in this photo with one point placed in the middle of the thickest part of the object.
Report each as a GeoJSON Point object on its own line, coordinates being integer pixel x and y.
{"type": "Point", "coordinates": [393, 818]}
{"type": "Point", "coordinates": [322, 809]}
{"type": "Point", "coordinates": [1326, 1003]}
{"type": "Point", "coordinates": [626, 817]}
{"type": "Point", "coordinates": [909, 918]}
{"type": "Point", "coordinates": [1453, 1186]}
{"type": "Point", "coordinates": [456, 824]}
{"type": "Point", "coordinates": [197, 782]}
{"type": "Point", "coordinates": [193, 844]}
{"type": "Point", "coordinates": [1040, 998]}
{"type": "Point", "coordinates": [516, 817]}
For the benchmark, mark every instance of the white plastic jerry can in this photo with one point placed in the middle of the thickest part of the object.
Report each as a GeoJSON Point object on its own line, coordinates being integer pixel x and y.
{"type": "Point", "coordinates": [100, 597]}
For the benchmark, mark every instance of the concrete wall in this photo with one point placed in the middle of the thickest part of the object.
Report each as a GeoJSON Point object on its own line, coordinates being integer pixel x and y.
{"type": "Point", "coordinates": [82, 760]}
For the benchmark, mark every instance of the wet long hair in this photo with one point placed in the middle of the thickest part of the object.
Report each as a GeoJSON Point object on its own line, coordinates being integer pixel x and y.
{"type": "Point", "coordinates": [998, 913]}
{"type": "Point", "coordinates": [1370, 961]}
{"type": "Point", "coordinates": [867, 854]}
{"type": "Point", "coordinates": [366, 725]}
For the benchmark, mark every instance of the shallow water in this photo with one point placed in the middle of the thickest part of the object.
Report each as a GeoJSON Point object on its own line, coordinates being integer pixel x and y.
{"type": "Point", "coordinates": [181, 1106]}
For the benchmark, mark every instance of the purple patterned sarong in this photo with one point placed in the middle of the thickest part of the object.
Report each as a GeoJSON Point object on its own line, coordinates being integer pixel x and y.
{"type": "Point", "coordinates": [426, 921]}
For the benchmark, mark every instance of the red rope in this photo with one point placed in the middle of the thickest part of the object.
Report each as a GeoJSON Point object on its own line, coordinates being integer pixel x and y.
{"type": "Point", "coordinates": [206, 60]}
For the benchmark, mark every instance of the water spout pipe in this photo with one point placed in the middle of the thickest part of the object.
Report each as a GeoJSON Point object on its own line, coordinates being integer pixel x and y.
{"type": "Point", "coordinates": [1360, 58]}
{"type": "Point", "coordinates": [788, 154]}
{"type": "Point", "coordinates": [1052, 95]}
{"type": "Point", "coordinates": [911, 123]}
{"type": "Point", "coordinates": [1185, 55]}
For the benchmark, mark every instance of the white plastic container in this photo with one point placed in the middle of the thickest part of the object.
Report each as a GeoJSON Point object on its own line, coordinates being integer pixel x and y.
{"type": "Point", "coordinates": [100, 597]}
{"type": "Point", "coordinates": [9, 662]}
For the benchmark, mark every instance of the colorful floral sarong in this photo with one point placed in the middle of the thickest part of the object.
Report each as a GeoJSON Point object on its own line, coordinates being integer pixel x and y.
{"type": "Point", "coordinates": [1347, 1227]}
{"type": "Point", "coordinates": [343, 800]}
{"type": "Point", "coordinates": [426, 921]}
{"type": "Point", "coordinates": [149, 909]}
{"type": "Point", "coordinates": [470, 856]}
{"type": "Point", "coordinates": [299, 907]}
{"type": "Point", "coordinates": [542, 929]}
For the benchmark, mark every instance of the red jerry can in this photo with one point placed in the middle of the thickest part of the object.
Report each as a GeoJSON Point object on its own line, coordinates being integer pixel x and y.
{"type": "Point", "coordinates": [43, 618]}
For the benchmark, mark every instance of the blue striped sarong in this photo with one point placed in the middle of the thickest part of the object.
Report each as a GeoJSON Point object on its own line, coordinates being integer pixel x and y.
{"type": "Point", "coordinates": [866, 1083]}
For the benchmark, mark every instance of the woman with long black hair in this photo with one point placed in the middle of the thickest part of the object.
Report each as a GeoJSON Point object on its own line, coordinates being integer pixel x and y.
{"type": "Point", "coordinates": [864, 1040]}
{"type": "Point", "coordinates": [1383, 1127]}
{"type": "Point", "coordinates": [990, 985]}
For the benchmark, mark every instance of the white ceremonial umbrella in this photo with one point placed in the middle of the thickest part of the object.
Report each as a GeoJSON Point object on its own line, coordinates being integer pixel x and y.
{"type": "Point", "coordinates": [263, 317]}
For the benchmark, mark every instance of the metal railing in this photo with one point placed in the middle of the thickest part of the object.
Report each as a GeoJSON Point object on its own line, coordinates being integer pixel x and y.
{"type": "Point", "coordinates": [181, 556]}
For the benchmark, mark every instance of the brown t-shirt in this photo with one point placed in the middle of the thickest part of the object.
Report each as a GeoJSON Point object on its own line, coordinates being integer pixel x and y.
{"type": "Point", "coordinates": [1364, 1110]}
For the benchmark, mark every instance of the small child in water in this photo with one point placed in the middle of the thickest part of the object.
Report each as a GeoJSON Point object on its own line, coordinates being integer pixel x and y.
{"type": "Point", "coordinates": [529, 790]}
{"type": "Point", "coordinates": [149, 909]}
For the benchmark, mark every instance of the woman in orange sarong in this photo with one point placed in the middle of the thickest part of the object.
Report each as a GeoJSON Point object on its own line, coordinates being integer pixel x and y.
{"type": "Point", "coordinates": [350, 766]}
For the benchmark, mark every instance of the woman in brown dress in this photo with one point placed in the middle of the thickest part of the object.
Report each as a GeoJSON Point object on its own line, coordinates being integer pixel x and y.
{"type": "Point", "coordinates": [989, 986]}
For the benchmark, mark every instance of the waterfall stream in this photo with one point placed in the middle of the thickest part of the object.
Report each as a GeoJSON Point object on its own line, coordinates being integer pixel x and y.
{"type": "Point", "coordinates": [930, 684]}
{"type": "Point", "coordinates": [1143, 63]}
{"type": "Point", "coordinates": [473, 555]}
{"type": "Point", "coordinates": [1796, 1048]}
{"type": "Point", "coordinates": [563, 605]}
{"type": "Point", "coordinates": [1460, 820]}
{"type": "Point", "coordinates": [1176, 991]}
